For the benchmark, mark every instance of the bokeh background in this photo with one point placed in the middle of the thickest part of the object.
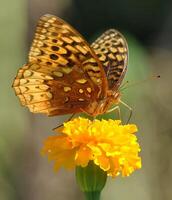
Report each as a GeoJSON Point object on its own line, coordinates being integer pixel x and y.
{"type": "Point", "coordinates": [147, 25]}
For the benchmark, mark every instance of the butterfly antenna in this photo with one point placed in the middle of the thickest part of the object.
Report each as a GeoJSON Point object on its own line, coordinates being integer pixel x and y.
{"type": "Point", "coordinates": [138, 82]}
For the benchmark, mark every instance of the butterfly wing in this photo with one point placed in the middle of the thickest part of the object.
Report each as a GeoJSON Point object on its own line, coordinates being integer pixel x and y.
{"type": "Point", "coordinates": [112, 50]}
{"type": "Point", "coordinates": [63, 74]}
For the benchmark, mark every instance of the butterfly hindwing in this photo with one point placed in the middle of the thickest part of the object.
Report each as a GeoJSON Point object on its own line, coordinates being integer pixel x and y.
{"type": "Point", "coordinates": [112, 50]}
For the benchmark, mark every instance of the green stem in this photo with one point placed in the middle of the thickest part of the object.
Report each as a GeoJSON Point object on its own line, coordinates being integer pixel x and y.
{"type": "Point", "coordinates": [92, 195]}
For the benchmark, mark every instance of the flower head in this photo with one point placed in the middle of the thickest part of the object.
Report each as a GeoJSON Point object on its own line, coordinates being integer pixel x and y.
{"type": "Point", "coordinates": [109, 144]}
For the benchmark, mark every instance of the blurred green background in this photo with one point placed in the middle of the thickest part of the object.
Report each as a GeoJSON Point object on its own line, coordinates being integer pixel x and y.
{"type": "Point", "coordinates": [147, 25]}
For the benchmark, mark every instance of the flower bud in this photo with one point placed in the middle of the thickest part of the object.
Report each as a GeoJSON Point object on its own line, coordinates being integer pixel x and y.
{"type": "Point", "coordinates": [91, 180]}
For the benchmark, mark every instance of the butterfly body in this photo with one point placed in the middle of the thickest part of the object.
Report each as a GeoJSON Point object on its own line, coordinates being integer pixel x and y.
{"type": "Point", "coordinates": [103, 105]}
{"type": "Point", "coordinates": [65, 74]}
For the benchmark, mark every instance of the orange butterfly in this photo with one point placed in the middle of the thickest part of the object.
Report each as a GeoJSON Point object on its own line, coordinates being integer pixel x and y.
{"type": "Point", "coordinates": [64, 74]}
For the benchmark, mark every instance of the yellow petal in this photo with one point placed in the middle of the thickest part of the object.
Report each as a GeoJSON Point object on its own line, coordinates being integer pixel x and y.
{"type": "Point", "coordinates": [103, 162]}
{"type": "Point", "coordinates": [83, 156]}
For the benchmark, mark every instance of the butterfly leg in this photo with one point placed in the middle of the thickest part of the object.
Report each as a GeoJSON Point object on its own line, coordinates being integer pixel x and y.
{"type": "Point", "coordinates": [65, 121]}
{"type": "Point", "coordinates": [129, 108]}
{"type": "Point", "coordinates": [115, 108]}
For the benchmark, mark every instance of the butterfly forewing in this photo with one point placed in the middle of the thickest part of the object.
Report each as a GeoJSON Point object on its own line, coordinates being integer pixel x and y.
{"type": "Point", "coordinates": [58, 45]}
{"type": "Point", "coordinates": [112, 50]}
{"type": "Point", "coordinates": [63, 74]}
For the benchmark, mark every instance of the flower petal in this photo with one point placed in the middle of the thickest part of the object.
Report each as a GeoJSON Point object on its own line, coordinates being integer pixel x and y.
{"type": "Point", "coordinates": [109, 144]}
{"type": "Point", "coordinates": [83, 155]}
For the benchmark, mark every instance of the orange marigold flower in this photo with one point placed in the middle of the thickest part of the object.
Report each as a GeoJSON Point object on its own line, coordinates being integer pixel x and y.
{"type": "Point", "coordinates": [109, 144]}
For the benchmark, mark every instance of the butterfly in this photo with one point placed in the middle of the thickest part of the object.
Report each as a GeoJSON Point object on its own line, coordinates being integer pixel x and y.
{"type": "Point", "coordinates": [66, 75]}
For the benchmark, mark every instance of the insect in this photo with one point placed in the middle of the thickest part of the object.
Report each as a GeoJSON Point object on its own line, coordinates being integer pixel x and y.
{"type": "Point", "coordinates": [66, 75]}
